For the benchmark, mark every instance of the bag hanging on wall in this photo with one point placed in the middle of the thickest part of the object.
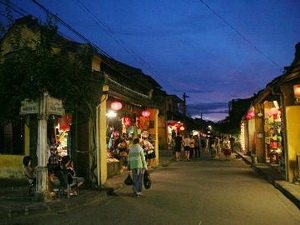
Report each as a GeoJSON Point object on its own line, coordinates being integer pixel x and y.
{"type": "Point", "coordinates": [147, 180]}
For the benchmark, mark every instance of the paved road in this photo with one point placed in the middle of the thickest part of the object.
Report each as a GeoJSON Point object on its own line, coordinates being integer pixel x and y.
{"type": "Point", "coordinates": [201, 192]}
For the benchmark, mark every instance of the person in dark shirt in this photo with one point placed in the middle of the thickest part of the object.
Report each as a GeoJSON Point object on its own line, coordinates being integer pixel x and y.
{"type": "Point", "coordinates": [178, 146]}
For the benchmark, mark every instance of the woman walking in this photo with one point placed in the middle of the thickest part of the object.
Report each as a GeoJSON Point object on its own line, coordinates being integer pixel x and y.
{"type": "Point", "coordinates": [186, 146]}
{"type": "Point", "coordinates": [137, 164]}
{"type": "Point", "coordinates": [226, 148]}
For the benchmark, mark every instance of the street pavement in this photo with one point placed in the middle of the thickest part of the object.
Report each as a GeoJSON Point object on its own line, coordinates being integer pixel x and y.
{"type": "Point", "coordinates": [14, 202]}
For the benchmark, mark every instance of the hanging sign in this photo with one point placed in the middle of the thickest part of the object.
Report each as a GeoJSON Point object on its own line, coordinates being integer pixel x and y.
{"type": "Point", "coordinates": [55, 106]}
{"type": "Point", "coordinates": [29, 107]}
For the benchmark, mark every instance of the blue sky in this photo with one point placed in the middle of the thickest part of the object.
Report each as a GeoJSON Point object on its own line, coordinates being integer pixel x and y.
{"type": "Point", "coordinates": [213, 50]}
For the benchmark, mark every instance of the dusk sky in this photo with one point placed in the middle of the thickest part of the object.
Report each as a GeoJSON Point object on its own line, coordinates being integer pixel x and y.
{"type": "Point", "coordinates": [213, 50]}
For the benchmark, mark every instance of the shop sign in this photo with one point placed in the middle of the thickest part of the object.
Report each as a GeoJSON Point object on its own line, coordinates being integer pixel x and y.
{"type": "Point", "coordinates": [55, 106]}
{"type": "Point", "coordinates": [29, 107]}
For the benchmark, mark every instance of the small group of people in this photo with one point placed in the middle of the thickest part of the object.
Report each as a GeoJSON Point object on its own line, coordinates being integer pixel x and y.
{"type": "Point", "coordinates": [61, 172]}
{"type": "Point", "coordinates": [192, 146]}
{"type": "Point", "coordinates": [121, 144]}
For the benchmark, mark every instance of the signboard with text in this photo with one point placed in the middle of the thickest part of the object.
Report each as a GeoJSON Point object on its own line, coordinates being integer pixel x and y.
{"type": "Point", "coordinates": [55, 106]}
{"type": "Point", "coordinates": [29, 107]}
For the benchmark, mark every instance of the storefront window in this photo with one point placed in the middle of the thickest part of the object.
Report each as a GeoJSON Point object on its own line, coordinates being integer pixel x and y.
{"type": "Point", "coordinates": [123, 124]}
{"type": "Point", "coordinates": [274, 150]}
{"type": "Point", "coordinates": [59, 133]}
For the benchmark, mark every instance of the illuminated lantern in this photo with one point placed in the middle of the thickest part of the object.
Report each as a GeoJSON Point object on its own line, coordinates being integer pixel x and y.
{"type": "Point", "coordinates": [116, 105]}
{"type": "Point", "coordinates": [65, 122]}
{"type": "Point", "coordinates": [297, 92]}
{"type": "Point", "coordinates": [250, 113]}
{"type": "Point", "coordinates": [182, 128]}
{"type": "Point", "coordinates": [126, 121]}
{"type": "Point", "coordinates": [145, 113]}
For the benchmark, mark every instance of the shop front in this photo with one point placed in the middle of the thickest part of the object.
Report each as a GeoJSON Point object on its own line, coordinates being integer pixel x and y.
{"type": "Point", "coordinates": [274, 151]}
{"type": "Point", "coordinates": [173, 128]}
{"type": "Point", "coordinates": [58, 134]}
{"type": "Point", "coordinates": [124, 122]}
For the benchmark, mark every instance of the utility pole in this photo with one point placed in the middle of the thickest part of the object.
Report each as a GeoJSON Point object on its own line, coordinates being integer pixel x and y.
{"type": "Point", "coordinates": [184, 103]}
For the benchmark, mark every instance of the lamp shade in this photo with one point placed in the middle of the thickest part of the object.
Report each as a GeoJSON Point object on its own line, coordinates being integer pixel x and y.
{"type": "Point", "coordinates": [116, 105]}
{"type": "Point", "coordinates": [145, 113]}
{"type": "Point", "coordinates": [297, 91]}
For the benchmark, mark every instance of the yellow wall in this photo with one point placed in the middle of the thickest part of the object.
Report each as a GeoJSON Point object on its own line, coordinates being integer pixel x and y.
{"type": "Point", "coordinates": [11, 166]}
{"type": "Point", "coordinates": [251, 133]}
{"type": "Point", "coordinates": [102, 151]}
{"type": "Point", "coordinates": [27, 37]}
{"type": "Point", "coordinates": [162, 133]}
{"type": "Point", "coordinates": [293, 139]}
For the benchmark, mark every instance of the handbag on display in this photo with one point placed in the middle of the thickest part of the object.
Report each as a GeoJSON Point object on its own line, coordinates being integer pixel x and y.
{"type": "Point", "coordinates": [128, 180]}
{"type": "Point", "coordinates": [147, 180]}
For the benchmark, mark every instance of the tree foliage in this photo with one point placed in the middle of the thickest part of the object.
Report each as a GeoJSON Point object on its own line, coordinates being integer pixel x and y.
{"type": "Point", "coordinates": [29, 71]}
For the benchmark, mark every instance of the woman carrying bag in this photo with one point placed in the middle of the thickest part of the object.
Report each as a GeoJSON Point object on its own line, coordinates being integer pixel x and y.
{"type": "Point", "coordinates": [137, 164]}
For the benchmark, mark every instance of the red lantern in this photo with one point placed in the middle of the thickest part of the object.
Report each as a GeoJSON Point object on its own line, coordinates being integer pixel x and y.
{"type": "Point", "coordinates": [65, 122]}
{"type": "Point", "coordinates": [126, 121]}
{"type": "Point", "coordinates": [116, 105]}
{"type": "Point", "coordinates": [145, 113]}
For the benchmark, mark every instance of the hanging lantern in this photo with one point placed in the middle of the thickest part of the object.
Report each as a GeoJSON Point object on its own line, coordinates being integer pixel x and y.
{"type": "Point", "coordinates": [296, 88]}
{"type": "Point", "coordinates": [145, 113]}
{"type": "Point", "coordinates": [126, 121]}
{"type": "Point", "coordinates": [250, 114]}
{"type": "Point", "coordinates": [65, 122]}
{"type": "Point", "coordinates": [116, 105]}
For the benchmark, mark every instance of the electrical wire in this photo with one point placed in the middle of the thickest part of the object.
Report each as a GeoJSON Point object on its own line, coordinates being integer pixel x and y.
{"type": "Point", "coordinates": [110, 33]}
{"type": "Point", "coordinates": [15, 8]}
{"type": "Point", "coordinates": [22, 12]}
{"type": "Point", "coordinates": [70, 28]}
{"type": "Point", "coordinates": [240, 34]}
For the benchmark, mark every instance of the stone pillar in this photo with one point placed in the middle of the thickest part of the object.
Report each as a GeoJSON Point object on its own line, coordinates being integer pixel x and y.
{"type": "Point", "coordinates": [102, 145]}
{"type": "Point", "coordinates": [156, 144]}
{"type": "Point", "coordinates": [42, 155]}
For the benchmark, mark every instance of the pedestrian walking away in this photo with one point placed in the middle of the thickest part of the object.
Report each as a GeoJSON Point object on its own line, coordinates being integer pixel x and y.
{"type": "Point", "coordinates": [137, 164]}
{"type": "Point", "coordinates": [178, 146]}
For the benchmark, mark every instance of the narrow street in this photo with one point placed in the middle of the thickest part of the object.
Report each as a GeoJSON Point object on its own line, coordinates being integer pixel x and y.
{"type": "Point", "coordinates": [197, 192]}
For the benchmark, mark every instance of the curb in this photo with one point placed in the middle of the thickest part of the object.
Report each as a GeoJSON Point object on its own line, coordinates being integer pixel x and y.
{"type": "Point", "coordinates": [15, 209]}
{"type": "Point", "coordinates": [56, 206]}
{"type": "Point", "coordinates": [277, 184]}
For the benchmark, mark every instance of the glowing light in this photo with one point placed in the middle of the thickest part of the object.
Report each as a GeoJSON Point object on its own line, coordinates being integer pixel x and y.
{"type": "Point", "coordinates": [145, 113]}
{"type": "Point", "coordinates": [111, 114]}
{"type": "Point", "coordinates": [297, 92]}
{"type": "Point", "coordinates": [116, 105]}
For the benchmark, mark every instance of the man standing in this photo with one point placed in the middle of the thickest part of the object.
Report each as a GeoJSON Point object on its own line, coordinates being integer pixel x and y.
{"type": "Point", "coordinates": [137, 164]}
{"type": "Point", "coordinates": [178, 146]}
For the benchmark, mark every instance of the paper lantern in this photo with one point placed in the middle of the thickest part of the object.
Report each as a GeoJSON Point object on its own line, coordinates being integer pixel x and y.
{"type": "Point", "coordinates": [65, 122]}
{"type": "Point", "coordinates": [145, 113]}
{"type": "Point", "coordinates": [116, 105]}
{"type": "Point", "coordinates": [297, 92]}
{"type": "Point", "coordinates": [126, 121]}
